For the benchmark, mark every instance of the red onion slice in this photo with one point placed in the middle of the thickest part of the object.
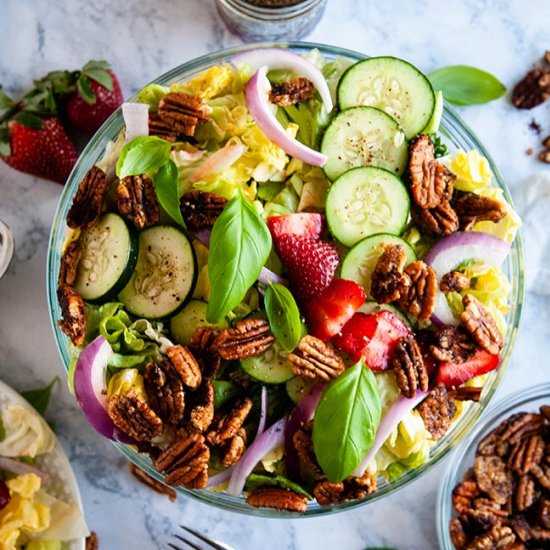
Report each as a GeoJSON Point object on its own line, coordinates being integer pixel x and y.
{"type": "Point", "coordinates": [257, 92]}
{"type": "Point", "coordinates": [220, 477]}
{"type": "Point", "coordinates": [20, 468]}
{"type": "Point", "coordinates": [219, 161]}
{"type": "Point", "coordinates": [136, 119]}
{"type": "Point", "coordinates": [266, 276]}
{"type": "Point", "coordinates": [263, 413]}
{"type": "Point", "coordinates": [280, 58]}
{"type": "Point", "coordinates": [389, 422]}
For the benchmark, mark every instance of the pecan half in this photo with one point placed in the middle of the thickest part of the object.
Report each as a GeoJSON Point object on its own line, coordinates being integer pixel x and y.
{"type": "Point", "coordinates": [304, 448]}
{"type": "Point", "coordinates": [228, 424]}
{"type": "Point", "coordinates": [88, 201]}
{"type": "Point", "coordinates": [463, 495]}
{"type": "Point", "coordinates": [134, 417]}
{"type": "Point", "coordinates": [159, 128]}
{"type": "Point", "coordinates": [526, 453]}
{"type": "Point", "coordinates": [437, 411]}
{"type": "Point", "coordinates": [315, 360]}
{"type": "Point", "coordinates": [248, 338]}
{"type": "Point", "coordinates": [458, 535]}
{"type": "Point", "coordinates": [353, 488]}
{"type": "Point", "coordinates": [452, 344]}
{"type": "Point", "coordinates": [92, 541]}
{"type": "Point", "coordinates": [164, 390]}
{"type": "Point", "coordinates": [200, 210]}
{"type": "Point", "coordinates": [431, 182]}
{"type": "Point", "coordinates": [152, 483]}
{"type": "Point", "coordinates": [533, 89]}
{"type": "Point", "coordinates": [185, 462]}
{"type": "Point", "coordinates": [418, 297]}
{"type": "Point", "coordinates": [472, 208]}
{"type": "Point", "coordinates": [185, 365]}
{"type": "Point", "coordinates": [73, 311]}
{"type": "Point", "coordinates": [525, 492]}
{"type": "Point", "coordinates": [521, 528]}
{"type": "Point", "coordinates": [454, 281]}
{"type": "Point", "coordinates": [69, 264]}
{"type": "Point", "coordinates": [542, 473]}
{"type": "Point", "coordinates": [410, 372]}
{"type": "Point", "coordinates": [438, 221]}
{"type": "Point", "coordinates": [493, 477]}
{"type": "Point", "coordinates": [182, 112]}
{"type": "Point", "coordinates": [466, 393]}
{"type": "Point", "coordinates": [544, 156]}
{"type": "Point", "coordinates": [201, 346]}
{"type": "Point", "coordinates": [234, 448]}
{"type": "Point", "coordinates": [481, 325]}
{"type": "Point", "coordinates": [291, 92]}
{"type": "Point", "coordinates": [137, 200]}
{"type": "Point", "coordinates": [500, 537]}
{"type": "Point", "coordinates": [201, 406]}
{"type": "Point", "coordinates": [541, 536]}
{"type": "Point", "coordinates": [543, 513]}
{"type": "Point", "coordinates": [277, 498]}
{"type": "Point", "coordinates": [388, 281]}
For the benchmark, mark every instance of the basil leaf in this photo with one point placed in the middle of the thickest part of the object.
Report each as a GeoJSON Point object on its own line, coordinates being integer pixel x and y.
{"type": "Point", "coordinates": [40, 398]}
{"type": "Point", "coordinates": [257, 481]}
{"type": "Point", "coordinates": [143, 155]}
{"type": "Point", "coordinates": [239, 247]}
{"type": "Point", "coordinates": [464, 85]}
{"type": "Point", "coordinates": [166, 188]}
{"type": "Point", "coordinates": [283, 315]}
{"type": "Point", "coordinates": [345, 421]}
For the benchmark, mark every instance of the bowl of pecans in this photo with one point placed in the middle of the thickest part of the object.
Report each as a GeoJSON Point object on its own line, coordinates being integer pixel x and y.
{"type": "Point", "coordinates": [378, 278]}
{"type": "Point", "coordinates": [497, 493]}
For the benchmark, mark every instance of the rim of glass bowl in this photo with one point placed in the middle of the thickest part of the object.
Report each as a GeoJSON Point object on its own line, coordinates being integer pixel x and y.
{"type": "Point", "coordinates": [495, 415]}
{"type": "Point", "coordinates": [456, 131]}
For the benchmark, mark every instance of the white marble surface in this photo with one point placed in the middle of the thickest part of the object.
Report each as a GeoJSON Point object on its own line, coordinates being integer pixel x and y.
{"type": "Point", "coordinates": [142, 39]}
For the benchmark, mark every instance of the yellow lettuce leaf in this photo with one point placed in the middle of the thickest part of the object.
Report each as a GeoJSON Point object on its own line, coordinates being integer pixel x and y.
{"type": "Point", "coordinates": [210, 83]}
{"type": "Point", "coordinates": [471, 169]}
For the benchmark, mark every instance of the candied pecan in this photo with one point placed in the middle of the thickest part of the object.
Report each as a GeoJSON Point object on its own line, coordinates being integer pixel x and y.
{"type": "Point", "coordinates": [186, 365]}
{"type": "Point", "coordinates": [201, 406]}
{"type": "Point", "coordinates": [437, 411]}
{"type": "Point", "coordinates": [137, 200]}
{"type": "Point", "coordinates": [507, 433]}
{"type": "Point", "coordinates": [541, 535]}
{"type": "Point", "coordinates": [234, 448]}
{"type": "Point", "coordinates": [182, 112]}
{"type": "Point", "coordinates": [69, 264]}
{"type": "Point", "coordinates": [134, 417]}
{"type": "Point", "coordinates": [357, 488]}
{"type": "Point", "coordinates": [438, 221]}
{"type": "Point", "coordinates": [200, 210]}
{"type": "Point", "coordinates": [304, 448]}
{"type": "Point", "coordinates": [452, 344]}
{"type": "Point", "coordinates": [463, 495]}
{"type": "Point", "coordinates": [483, 519]}
{"type": "Point", "coordinates": [164, 390]}
{"type": "Point", "coordinates": [151, 482]}
{"type": "Point", "coordinates": [200, 344]}
{"type": "Point", "coordinates": [388, 281]}
{"type": "Point", "coordinates": [159, 128]}
{"type": "Point", "coordinates": [410, 372]}
{"type": "Point", "coordinates": [92, 541]}
{"type": "Point", "coordinates": [458, 535]}
{"type": "Point", "coordinates": [500, 537]}
{"type": "Point", "coordinates": [291, 92]}
{"type": "Point", "coordinates": [249, 338]}
{"type": "Point", "coordinates": [418, 297]}
{"type": "Point", "coordinates": [328, 492]}
{"type": "Point", "coordinates": [544, 156]}
{"type": "Point", "coordinates": [465, 393]}
{"type": "Point", "coordinates": [88, 200]}
{"type": "Point", "coordinates": [543, 513]}
{"type": "Point", "coordinates": [522, 425]}
{"type": "Point", "coordinates": [493, 478]}
{"type": "Point", "coordinates": [525, 492]}
{"type": "Point", "coordinates": [472, 208]}
{"type": "Point", "coordinates": [315, 360]}
{"type": "Point", "coordinates": [526, 453]}
{"type": "Point", "coordinates": [546, 142]}
{"type": "Point", "coordinates": [521, 528]}
{"type": "Point", "coordinates": [533, 89]}
{"type": "Point", "coordinates": [352, 488]}
{"type": "Point", "coordinates": [454, 281]}
{"type": "Point", "coordinates": [542, 473]}
{"type": "Point", "coordinates": [277, 498]}
{"type": "Point", "coordinates": [73, 310]}
{"type": "Point", "coordinates": [228, 424]}
{"type": "Point", "coordinates": [481, 325]}
{"type": "Point", "coordinates": [431, 182]}
{"type": "Point", "coordinates": [185, 462]}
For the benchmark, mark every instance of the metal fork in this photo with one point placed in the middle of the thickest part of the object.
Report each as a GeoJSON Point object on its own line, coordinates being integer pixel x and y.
{"type": "Point", "coordinates": [209, 543]}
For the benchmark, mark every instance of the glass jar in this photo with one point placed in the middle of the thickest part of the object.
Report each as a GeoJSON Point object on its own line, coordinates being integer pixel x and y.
{"type": "Point", "coordinates": [257, 20]}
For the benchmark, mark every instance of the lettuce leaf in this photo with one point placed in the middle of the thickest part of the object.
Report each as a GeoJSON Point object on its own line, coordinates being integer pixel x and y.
{"type": "Point", "coordinates": [151, 95]}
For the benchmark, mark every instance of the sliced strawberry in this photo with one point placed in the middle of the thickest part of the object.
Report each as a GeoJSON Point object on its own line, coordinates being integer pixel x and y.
{"type": "Point", "coordinates": [326, 315]}
{"type": "Point", "coordinates": [310, 264]}
{"type": "Point", "coordinates": [356, 334]}
{"type": "Point", "coordinates": [302, 224]}
{"type": "Point", "coordinates": [454, 374]}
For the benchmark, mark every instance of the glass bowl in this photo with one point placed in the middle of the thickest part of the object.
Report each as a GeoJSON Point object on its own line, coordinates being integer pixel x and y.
{"type": "Point", "coordinates": [457, 135]}
{"type": "Point", "coordinates": [526, 400]}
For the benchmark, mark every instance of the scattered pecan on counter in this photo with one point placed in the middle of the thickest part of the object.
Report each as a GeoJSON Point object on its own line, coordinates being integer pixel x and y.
{"type": "Point", "coordinates": [437, 411]}
{"type": "Point", "coordinates": [73, 311]}
{"type": "Point", "coordinates": [249, 338]}
{"type": "Point", "coordinates": [182, 112]}
{"type": "Point", "coordinates": [314, 360]}
{"type": "Point", "coordinates": [164, 389]}
{"type": "Point", "coordinates": [417, 297]}
{"type": "Point", "coordinates": [137, 200]}
{"type": "Point", "coordinates": [69, 264]}
{"type": "Point", "coordinates": [200, 210]}
{"type": "Point", "coordinates": [277, 498]}
{"type": "Point", "coordinates": [134, 417]}
{"type": "Point", "coordinates": [92, 542]}
{"type": "Point", "coordinates": [157, 486]}
{"type": "Point", "coordinates": [388, 280]}
{"type": "Point", "coordinates": [481, 325]}
{"type": "Point", "coordinates": [454, 281]}
{"type": "Point", "coordinates": [410, 372]}
{"type": "Point", "coordinates": [533, 89]}
{"type": "Point", "coordinates": [227, 425]}
{"type": "Point", "coordinates": [291, 92]}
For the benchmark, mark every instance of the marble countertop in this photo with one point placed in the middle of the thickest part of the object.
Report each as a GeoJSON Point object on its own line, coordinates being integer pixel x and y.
{"type": "Point", "coordinates": [145, 38]}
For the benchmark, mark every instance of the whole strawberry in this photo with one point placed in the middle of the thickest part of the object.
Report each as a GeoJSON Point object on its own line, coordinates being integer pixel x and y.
{"type": "Point", "coordinates": [96, 97]}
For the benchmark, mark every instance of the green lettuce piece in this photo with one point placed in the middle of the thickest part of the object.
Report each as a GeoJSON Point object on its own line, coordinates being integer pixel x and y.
{"type": "Point", "coordinates": [414, 460]}
{"type": "Point", "coordinates": [36, 544]}
{"type": "Point", "coordinates": [288, 199]}
{"type": "Point", "coordinates": [311, 118]}
{"type": "Point", "coordinates": [124, 381]}
{"type": "Point", "coordinates": [151, 95]}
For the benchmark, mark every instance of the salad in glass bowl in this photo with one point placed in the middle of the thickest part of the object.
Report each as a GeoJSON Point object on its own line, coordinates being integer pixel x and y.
{"type": "Point", "coordinates": [282, 291]}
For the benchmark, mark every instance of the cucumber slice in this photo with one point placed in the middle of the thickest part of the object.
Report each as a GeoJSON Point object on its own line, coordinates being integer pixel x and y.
{"type": "Point", "coordinates": [361, 260]}
{"type": "Point", "coordinates": [435, 120]}
{"type": "Point", "coordinates": [109, 255]}
{"type": "Point", "coordinates": [272, 367]}
{"type": "Point", "coordinates": [363, 136]}
{"type": "Point", "coordinates": [192, 316]}
{"type": "Point", "coordinates": [297, 387]}
{"type": "Point", "coordinates": [370, 306]}
{"type": "Point", "coordinates": [366, 201]}
{"type": "Point", "coordinates": [165, 274]}
{"type": "Point", "coordinates": [394, 86]}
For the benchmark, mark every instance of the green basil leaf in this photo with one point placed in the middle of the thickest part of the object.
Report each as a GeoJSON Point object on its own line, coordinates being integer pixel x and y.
{"type": "Point", "coordinates": [84, 87]}
{"type": "Point", "coordinates": [464, 85]}
{"type": "Point", "coordinates": [345, 421]}
{"type": "Point", "coordinates": [239, 247]}
{"type": "Point", "coordinates": [166, 188]}
{"type": "Point", "coordinates": [283, 316]}
{"type": "Point", "coordinates": [257, 481]}
{"type": "Point", "coordinates": [102, 77]}
{"type": "Point", "coordinates": [40, 398]}
{"type": "Point", "coordinates": [143, 155]}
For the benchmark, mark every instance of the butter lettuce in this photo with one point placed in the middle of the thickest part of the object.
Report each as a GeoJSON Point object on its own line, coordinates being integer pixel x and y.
{"type": "Point", "coordinates": [212, 82]}
{"type": "Point", "coordinates": [151, 95]}
{"type": "Point", "coordinates": [472, 170]}
{"type": "Point", "coordinates": [125, 381]}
